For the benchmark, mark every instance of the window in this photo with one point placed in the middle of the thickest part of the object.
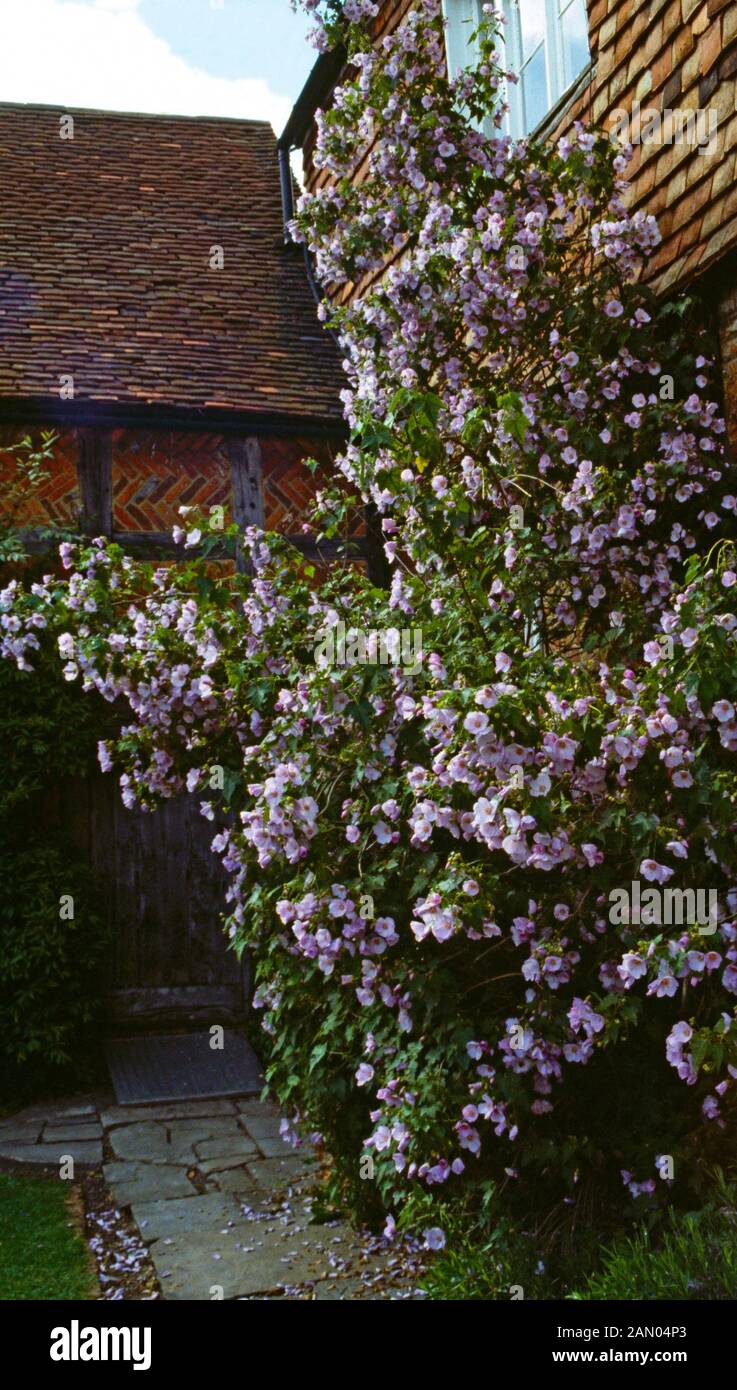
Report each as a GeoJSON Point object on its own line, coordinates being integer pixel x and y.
{"type": "Point", "coordinates": [546, 43]}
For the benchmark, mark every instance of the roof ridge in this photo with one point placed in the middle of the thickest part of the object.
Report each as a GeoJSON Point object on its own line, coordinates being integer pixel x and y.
{"type": "Point", "coordinates": [131, 115]}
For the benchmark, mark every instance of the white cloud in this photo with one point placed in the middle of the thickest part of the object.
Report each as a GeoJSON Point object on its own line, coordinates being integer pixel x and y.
{"type": "Point", "coordinates": [65, 53]}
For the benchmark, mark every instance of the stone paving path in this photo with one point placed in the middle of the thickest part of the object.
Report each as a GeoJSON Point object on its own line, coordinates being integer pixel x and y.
{"type": "Point", "coordinates": [223, 1204]}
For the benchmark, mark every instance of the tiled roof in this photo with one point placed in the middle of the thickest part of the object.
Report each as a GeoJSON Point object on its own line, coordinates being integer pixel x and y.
{"type": "Point", "coordinates": [106, 243]}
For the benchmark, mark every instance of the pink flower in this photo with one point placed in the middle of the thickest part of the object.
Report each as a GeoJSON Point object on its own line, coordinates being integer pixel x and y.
{"type": "Point", "coordinates": [476, 723]}
{"type": "Point", "coordinates": [654, 872]}
{"type": "Point", "coordinates": [592, 854]}
{"type": "Point", "coordinates": [682, 778]}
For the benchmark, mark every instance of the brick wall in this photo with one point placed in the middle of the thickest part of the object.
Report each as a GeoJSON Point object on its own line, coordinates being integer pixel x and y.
{"type": "Point", "coordinates": [154, 472]}
{"type": "Point", "coordinates": [57, 501]}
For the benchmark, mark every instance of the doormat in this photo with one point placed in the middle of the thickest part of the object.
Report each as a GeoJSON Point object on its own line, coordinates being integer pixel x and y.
{"type": "Point", "coordinates": [181, 1066]}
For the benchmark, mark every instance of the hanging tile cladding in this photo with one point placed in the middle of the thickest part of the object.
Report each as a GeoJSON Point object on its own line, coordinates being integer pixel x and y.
{"type": "Point", "coordinates": [106, 243]}
{"type": "Point", "coordinates": [679, 56]}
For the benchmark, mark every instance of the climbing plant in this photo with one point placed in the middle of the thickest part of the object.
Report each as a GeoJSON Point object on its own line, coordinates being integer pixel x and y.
{"type": "Point", "coordinates": [472, 814]}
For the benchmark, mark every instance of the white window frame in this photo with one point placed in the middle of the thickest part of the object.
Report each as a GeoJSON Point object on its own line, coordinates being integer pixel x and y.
{"type": "Point", "coordinates": [464, 16]}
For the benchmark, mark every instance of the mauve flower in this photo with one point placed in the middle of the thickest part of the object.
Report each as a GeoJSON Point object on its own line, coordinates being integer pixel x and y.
{"type": "Point", "coordinates": [632, 968]}
{"type": "Point", "coordinates": [654, 872]}
{"type": "Point", "coordinates": [434, 1238]}
{"type": "Point", "coordinates": [664, 987]}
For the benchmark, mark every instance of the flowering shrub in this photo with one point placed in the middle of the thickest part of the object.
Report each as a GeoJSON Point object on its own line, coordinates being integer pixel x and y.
{"type": "Point", "coordinates": [421, 858]}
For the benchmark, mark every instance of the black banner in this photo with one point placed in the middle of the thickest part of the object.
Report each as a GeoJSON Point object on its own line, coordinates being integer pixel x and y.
{"type": "Point", "coordinates": [154, 1340]}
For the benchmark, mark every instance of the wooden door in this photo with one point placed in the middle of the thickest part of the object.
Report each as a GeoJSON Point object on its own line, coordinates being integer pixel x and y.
{"type": "Point", "coordinates": [165, 894]}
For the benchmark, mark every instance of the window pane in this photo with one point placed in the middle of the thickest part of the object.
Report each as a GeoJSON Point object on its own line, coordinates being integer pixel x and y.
{"type": "Point", "coordinates": [574, 38]}
{"type": "Point", "coordinates": [462, 17]}
{"type": "Point", "coordinates": [532, 17]}
{"type": "Point", "coordinates": [535, 90]}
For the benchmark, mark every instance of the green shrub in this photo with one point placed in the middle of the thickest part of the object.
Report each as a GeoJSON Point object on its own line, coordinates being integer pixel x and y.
{"type": "Point", "coordinates": [495, 1254]}
{"type": "Point", "coordinates": [48, 730]}
{"type": "Point", "coordinates": [694, 1258]}
{"type": "Point", "coordinates": [51, 964]}
{"type": "Point", "coordinates": [502, 1265]}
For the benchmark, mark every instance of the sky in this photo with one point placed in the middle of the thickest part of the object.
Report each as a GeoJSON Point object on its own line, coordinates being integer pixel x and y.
{"type": "Point", "coordinates": [246, 58]}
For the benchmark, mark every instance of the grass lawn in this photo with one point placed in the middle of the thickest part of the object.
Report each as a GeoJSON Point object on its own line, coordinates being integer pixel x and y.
{"type": "Point", "coordinates": [42, 1251]}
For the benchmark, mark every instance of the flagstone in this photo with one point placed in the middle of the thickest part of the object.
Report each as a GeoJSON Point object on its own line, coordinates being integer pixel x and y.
{"type": "Point", "coordinates": [237, 1181]}
{"type": "Point", "coordinates": [248, 1259]}
{"type": "Point", "coordinates": [176, 1110]}
{"type": "Point", "coordinates": [71, 1131]}
{"type": "Point", "coordinates": [272, 1172]}
{"type": "Point", "coordinates": [228, 1146]}
{"type": "Point", "coordinates": [87, 1153]}
{"type": "Point", "coordinates": [145, 1182]}
{"type": "Point", "coordinates": [148, 1143]}
{"type": "Point", "coordinates": [208, 1166]}
{"type": "Point", "coordinates": [25, 1131]}
{"type": "Point", "coordinates": [209, 1212]}
{"type": "Point", "coordinates": [248, 1234]}
{"type": "Point", "coordinates": [215, 1128]}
